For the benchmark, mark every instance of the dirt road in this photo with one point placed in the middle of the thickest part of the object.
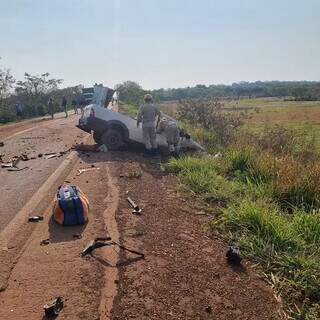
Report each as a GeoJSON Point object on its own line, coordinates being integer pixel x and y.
{"type": "Point", "coordinates": [183, 276]}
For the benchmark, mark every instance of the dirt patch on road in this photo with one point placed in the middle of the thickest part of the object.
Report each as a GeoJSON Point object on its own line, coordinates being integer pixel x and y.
{"type": "Point", "coordinates": [184, 274]}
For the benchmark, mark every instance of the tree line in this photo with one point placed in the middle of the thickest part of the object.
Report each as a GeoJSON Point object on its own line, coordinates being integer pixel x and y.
{"type": "Point", "coordinates": [132, 93]}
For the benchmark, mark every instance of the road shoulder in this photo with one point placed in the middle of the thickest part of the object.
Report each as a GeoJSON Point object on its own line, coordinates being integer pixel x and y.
{"type": "Point", "coordinates": [184, 274]}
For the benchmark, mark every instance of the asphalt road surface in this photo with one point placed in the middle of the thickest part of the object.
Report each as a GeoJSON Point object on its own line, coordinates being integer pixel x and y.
{"type": "Point", "coordinates": [32, 138]}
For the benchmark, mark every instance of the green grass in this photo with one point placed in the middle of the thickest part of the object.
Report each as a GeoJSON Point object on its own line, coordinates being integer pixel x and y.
{"type": "Point", "coordinates": [239, 188]}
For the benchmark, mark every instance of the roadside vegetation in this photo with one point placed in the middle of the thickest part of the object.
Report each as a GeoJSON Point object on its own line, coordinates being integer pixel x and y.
{"type": "Point", "coordinates": [263, 189]}
{"type": "Point", "coordinates": [32, 93]}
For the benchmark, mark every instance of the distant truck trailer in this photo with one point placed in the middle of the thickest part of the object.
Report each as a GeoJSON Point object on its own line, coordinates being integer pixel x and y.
{"type": "Point", "coordinates": [98, 95]}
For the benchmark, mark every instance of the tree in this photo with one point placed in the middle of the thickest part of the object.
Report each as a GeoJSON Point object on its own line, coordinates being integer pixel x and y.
{"type": "Point", "coordinates": [130, 92]}
{"type": "Point", "coordinates": [6, 83]}
{"type": "Point", "coordinates": [33, 91]}
{"type": "Point", "coordinates": [208, 114]}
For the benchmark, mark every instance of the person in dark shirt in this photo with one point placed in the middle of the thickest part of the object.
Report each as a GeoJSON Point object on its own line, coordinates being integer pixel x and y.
{"type": "Point", "coordinates": [64, 106]}
{"type": "Point", "coordinates": [51, 107]}
{"type": "Point", "coordinates": [74, 105]}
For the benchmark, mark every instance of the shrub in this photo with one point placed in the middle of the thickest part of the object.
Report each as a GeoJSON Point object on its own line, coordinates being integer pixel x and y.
{"type": "Point", "coordinates": [209, 115]}
{"type": "Point", "coordinates": [277, 139]}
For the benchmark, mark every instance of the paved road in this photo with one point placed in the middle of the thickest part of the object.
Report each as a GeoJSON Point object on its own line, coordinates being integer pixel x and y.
{"type": "Point", "coordinates": [32, 138]}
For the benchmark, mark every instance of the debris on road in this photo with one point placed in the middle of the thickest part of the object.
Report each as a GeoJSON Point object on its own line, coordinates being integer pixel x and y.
{"type": "Point", "coordinates": [77, 236]}
{"type": "Point", "coordinates": [13, 163]}
{"type": "Point", "coordinates": [53, 308]}
{"type": "Point", "coordinates": [1, 144]}
{"type": "Point", "coordinates": [94, 244]}
{"type": "Point", "coordinates": [35, 218]}
{"type": "Point", "coordinates": [136, 209]}
{"type": "Point", "coordinates": [233, 256]}
{"type": "Point", "coordinates": [209, 309]}
{"type": "Point", "coordinates": [133, 174]}
{"type": "Point", "coordinates": [80, 171]}
{"type": "Point", "coordinates": [103, 148]}
{"type": "Point", "coordinates": [44, 242]}
{"type": "Point", "coordinates": [52, 155]}
{"type": "Point", "coordinates": [17, 169]}
{"type": "Point", "coordinates": [7, 165]}
{"type": "Point", "coordinates": [71, 206]}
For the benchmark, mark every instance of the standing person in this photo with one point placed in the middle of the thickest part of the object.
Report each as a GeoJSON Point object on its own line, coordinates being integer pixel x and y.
{"type": "Point", "coordinates": [82, 103]}
{"type": "Point", "coordinates": [74, 105]}
{"type": "Point", "coordinates": [147, 114]}
{"type": "Point", "coordinates": [19, 110]}
{"type": "Point", "coordinates": [64, 106]}
{"type": "Point", "coordinates": [51, 107]}
{"type": "Point", "coordinates": [172, 133]}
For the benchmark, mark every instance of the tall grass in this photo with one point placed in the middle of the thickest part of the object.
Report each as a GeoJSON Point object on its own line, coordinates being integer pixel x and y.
{"type": "Point", "coordinates": [267, 199]}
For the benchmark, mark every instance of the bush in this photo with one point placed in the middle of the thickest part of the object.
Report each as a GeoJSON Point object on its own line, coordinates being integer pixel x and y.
{"type": "Point", "coordinates": [277, 139]}
{"type": "Point", "coordinates": [209, 115]}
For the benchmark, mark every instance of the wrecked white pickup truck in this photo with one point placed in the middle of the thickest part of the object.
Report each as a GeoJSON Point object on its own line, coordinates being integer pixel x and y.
{"type": "Point", "coordinates": [117, 130]}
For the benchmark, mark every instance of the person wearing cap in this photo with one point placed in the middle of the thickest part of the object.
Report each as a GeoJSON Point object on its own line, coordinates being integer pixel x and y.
{"type": "Point", "coordinates": [172, 133]}
{"type": "Point", "coordinates": [149, 115]}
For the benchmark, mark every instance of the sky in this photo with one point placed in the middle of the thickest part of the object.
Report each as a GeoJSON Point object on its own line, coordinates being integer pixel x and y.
{"type": "Point", "coordinates": [161, 43]}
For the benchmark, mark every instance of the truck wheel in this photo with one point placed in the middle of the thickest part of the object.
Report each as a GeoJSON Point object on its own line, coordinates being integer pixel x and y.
{"type": "Point", "coordinates": [97, 137]}
{"type": "Point", "coordinates": [113, 139]}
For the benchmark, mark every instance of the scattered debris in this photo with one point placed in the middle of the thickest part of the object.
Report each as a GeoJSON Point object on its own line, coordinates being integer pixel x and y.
{"type": "Point", "coordinates": [44, 242]}
{"type": "Point", "coordinates": [80, 171]}
{"type": "Point", "coordinates": [1, 144]}
{"type": "Point", "coordinates": [209, 309]}
{"type": "Point", "coordinates": [53, 308]}
{"type": "Point", "coordinates": [35, 218]}
{"type": "Point", "coordinates": [233, 256]}
{"type": "Point", "coordinates": [133, 174]}
{"type": "Point", "coordinates": [24, 157]}
{"type": "Point", "coordinates": [7, 165]}
{"type": "Point", "coordinates": [94, 244]}
{"type": "Point", "coordinates": [201, 214]}
{"type": "Point", "coordinates": [17, 169]}
{"type": "Point", "coordinates": [217, 155]}
{"type": "Point", "coordinates": [77, 235]}
{"type": "Point", "coordinates": [52, 155]}
{"type": "Point", "coordinates": [103, 148]}
{"type": "Point", "coordinates": [136, 209]}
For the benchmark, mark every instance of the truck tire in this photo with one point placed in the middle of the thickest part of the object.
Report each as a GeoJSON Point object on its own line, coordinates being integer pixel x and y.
{"type": "Point", "coordinates": [113, 139]}
{"type": "Point", "coordinates": [97, 137]}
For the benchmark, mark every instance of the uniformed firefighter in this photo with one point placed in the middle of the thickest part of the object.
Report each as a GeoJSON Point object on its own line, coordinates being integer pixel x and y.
{"type": "Point", "coordinates": [149, 115]}
{"type": "Point", "coordinates": [172, 133]}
